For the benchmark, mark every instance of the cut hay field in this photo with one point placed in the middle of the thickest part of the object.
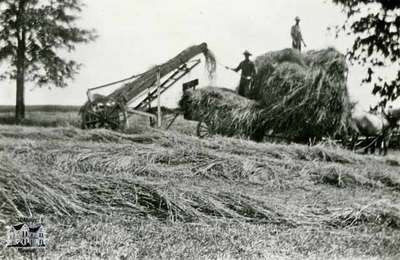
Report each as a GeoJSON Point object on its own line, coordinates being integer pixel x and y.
{"type": "Point", "coordinates": [167, 194]}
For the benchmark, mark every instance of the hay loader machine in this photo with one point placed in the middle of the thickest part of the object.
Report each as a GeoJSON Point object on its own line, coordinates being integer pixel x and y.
{"type": "Point", "coordinates": [112, 111]}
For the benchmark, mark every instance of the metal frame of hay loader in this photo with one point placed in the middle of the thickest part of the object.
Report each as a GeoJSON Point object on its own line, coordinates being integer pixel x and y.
{"type": "Point", "coordinates": [112, 111]}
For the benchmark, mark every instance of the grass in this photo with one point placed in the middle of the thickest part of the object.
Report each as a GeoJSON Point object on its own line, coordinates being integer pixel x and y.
{"type": "Point", "coordinates": [41, 108]}
{"type": "Point", "coordinates": [167, 194]}
{"type": "Point", "coordinates": [43, 115]}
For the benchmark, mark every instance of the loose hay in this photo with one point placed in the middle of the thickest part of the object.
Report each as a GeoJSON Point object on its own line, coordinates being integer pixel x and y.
{"type": "Point", "coordinates": [198, 180]}
{"type": "Point", "coordinates": [297, 96]}
{"type": "Point", "coordinates": [303, 95]}
{"type": "Point", "coordinates": [32, 192]}
{"type": "Point", "coordinates": [381, 212]}
{"type": "Point", "coordinates": [278, 57]}
{"type": "Point", "coordinates": [223, 111]}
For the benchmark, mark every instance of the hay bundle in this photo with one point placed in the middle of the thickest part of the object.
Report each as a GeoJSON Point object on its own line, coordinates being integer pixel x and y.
{"type": "Point", "coordinates": [224, 111]}
{"type": "Point", "coordinates": [303, 96]}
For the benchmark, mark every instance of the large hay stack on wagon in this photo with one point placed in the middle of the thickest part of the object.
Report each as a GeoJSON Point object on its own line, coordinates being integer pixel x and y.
{"type": "Point", "coordinates": [304, 95]}
{"type": "Point", "coordinates": [298, 96]}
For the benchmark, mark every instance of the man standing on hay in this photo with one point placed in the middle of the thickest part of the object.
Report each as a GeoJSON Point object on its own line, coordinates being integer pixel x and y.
{"type": "Point", "coordinates": [297, 37]}
{"type": "Point", "coordinates": [248, 72]}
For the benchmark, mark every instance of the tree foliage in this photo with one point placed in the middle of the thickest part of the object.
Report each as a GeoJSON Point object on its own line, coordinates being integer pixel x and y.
{"type": "Point", "coordinates": [33, 36]}
{"type": "Point", "coordinates": [376, 25]}
{"type": "Point", "coordinates": [47, 26]}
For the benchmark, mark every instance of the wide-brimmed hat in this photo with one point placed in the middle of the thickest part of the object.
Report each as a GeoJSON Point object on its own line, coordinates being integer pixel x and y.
{"type": "Point", "coordinates": [297, 18]}
{"type": "Point", "coordinates": [247, 53]}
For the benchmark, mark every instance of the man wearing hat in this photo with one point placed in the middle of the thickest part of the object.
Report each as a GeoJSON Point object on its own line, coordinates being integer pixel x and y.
{"type": "Point", "coordinates": [248, 72]}
{"type": "Point", "coordinates": [297, 38]}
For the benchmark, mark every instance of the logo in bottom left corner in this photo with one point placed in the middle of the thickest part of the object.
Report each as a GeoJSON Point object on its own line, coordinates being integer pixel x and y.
{"type": "Point", "coordinates": [27, 234]}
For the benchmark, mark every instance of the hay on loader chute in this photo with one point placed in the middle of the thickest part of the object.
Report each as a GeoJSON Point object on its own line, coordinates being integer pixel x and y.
{"type": "Point", "coordinates": [224, 111]}
{"type": "Point", "coordinates": [303, 95]}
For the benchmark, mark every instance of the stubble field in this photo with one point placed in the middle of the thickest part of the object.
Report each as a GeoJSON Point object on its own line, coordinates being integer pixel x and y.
{"type": "Point", "coordinates": [167, 194]}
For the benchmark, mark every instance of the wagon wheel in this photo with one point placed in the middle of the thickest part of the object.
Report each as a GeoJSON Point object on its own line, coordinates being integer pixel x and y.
{"type": "Point", "coordinates": [203, 130]}
{"type": "Point", "coordinates": [109, 115]}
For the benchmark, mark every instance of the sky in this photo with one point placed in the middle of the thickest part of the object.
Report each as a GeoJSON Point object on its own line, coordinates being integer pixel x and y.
{"type": "Point", "coordinates": [135, 35]}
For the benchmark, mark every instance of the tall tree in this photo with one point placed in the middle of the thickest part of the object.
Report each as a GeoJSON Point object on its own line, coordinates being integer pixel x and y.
{"type": "Point", "coordinates": [33, 34]}
{"type": "Point", "coordinates": [376, 25]}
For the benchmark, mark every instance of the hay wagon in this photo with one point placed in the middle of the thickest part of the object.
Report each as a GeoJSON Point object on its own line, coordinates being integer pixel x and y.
{"type": "Point", "coordinates": [112, 111]}
{"type": "Point", "coordinates": [300, 96]}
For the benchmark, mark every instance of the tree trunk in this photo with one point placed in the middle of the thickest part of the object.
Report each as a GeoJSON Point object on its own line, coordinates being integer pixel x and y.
{"type": "Point", "coordinates": [21, 49]}
{"type": "Point", "coordinates": [20, 101]}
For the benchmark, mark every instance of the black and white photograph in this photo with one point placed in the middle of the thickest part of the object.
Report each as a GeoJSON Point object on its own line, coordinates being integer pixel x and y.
{"type": "Point", "coordinates": [200, 129]}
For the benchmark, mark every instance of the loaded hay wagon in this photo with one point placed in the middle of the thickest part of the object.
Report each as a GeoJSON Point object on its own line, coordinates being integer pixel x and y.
{"type": "Point", "coordinates": [112, 111]}
{"type": "Point", "coordinates": [295, 97]}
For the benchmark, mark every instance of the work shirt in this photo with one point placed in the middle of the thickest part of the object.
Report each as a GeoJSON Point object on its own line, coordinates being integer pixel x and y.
{"type": "Point", "coordinates": [247, 67]}
{"type": "Point", "coordinates": [296, 33]}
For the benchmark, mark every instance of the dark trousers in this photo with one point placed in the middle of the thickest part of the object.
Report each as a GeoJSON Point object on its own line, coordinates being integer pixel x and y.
{"type": "Point", "coordinates": [296, 45]}
{"type": "Point", "coordinates": [244, 86]}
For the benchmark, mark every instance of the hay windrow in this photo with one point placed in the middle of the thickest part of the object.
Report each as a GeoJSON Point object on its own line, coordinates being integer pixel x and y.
{"type": "Point", "coordinates": [288, 193]}
{"type": "Point", "coordinates": [62, 193]}
{"type": "Point", "coordinates": [32, 192]}
{"type": "Point", "coordinates": [381, 212]}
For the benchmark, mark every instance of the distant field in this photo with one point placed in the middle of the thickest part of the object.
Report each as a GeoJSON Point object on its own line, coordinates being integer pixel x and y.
{"type": "Point", "coordinates": [46, 115]}
{"type": "Point", "coordinates": [159, 194]}
{"type": "Point", "coordinates": [68, 116]}
{"type": "Point", "coordinates": [42, 108]}
{"type": "Point", "coordinates": [45, 119]}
